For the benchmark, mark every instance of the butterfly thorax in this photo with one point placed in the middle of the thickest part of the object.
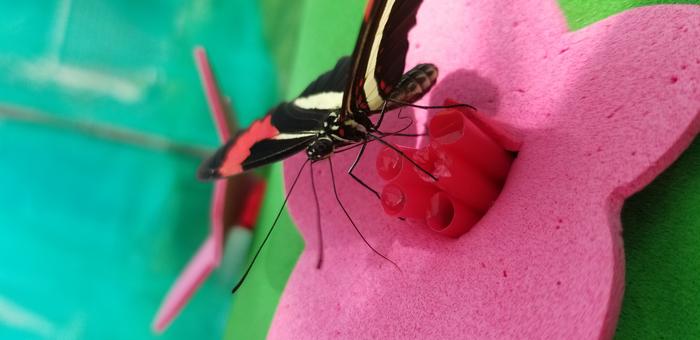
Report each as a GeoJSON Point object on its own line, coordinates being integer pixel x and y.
{"type": "Point", "coordinates": [337, 133]}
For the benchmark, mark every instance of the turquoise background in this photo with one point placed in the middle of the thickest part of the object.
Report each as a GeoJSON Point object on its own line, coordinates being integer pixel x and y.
{"type": "Point", "coordinates": [103, 123]}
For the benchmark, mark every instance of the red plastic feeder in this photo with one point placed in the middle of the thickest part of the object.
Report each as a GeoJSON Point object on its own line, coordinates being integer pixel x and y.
{"type": "Point", "coordinates": [465, 154]}
{"type": "Point", "coordinates": [407, 193]}
{"type": "Point", "coordinates": [454, 135]}
{"type": "Point", "coordinates": [448, 216]}
{"type": "Point", "coordinates": [465, 182]}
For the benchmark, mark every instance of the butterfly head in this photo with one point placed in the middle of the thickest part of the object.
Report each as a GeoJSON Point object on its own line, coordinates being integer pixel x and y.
{"type": "Point", "coordinates": [320, 148]}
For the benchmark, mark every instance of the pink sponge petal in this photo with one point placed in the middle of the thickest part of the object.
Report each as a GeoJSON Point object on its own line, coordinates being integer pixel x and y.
{"type": "Point", "coordinates": [601, 112]}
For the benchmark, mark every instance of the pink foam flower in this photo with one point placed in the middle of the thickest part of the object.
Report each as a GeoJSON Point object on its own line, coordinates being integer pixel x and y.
{"type": "Point", "coordinates": [601, 112]}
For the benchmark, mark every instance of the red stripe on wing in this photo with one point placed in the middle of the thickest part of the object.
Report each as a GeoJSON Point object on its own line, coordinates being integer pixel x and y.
{"type": "Point", "coordinates": [258, 131]}
{"type": "Point", "coordinates": [368, 9]}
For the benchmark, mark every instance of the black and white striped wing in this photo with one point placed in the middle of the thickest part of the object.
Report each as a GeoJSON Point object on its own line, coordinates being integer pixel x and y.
{"type": "Point", "coordinates": [284, 131]}
{"type": "Point", "coordinates": [380, 54]}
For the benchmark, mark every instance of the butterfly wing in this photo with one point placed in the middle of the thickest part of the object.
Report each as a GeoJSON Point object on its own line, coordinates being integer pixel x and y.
{"type": "Point", "coordinates": [284, 131]}
{"type": "Point", "coordinates": [380, 54]}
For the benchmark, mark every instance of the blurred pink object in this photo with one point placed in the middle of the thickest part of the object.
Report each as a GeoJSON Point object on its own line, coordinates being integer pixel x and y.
{"type": "Point", "coordinates": [208, 256]}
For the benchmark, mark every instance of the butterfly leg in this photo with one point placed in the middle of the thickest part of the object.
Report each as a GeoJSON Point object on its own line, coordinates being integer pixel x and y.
{"type": "Point", "coordinates": [381, 117]}
{"type": "Point", "coordinates": [340, 203]}
{"type": "Point", "coordinates": [318, 218]}
{"type": "Point", "coordinates": [354, 164]}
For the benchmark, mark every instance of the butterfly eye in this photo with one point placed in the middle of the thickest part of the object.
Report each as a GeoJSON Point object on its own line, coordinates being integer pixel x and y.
{"type": "Point", "coordinates": [320, 149]}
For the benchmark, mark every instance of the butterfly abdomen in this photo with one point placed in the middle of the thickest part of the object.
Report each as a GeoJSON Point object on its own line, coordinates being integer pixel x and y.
{"type": "Point", "coordinates": [415, 83]}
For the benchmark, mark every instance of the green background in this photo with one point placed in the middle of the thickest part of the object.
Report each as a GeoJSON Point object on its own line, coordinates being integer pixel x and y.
{"type": "Point", "coordinates": [103, 123]}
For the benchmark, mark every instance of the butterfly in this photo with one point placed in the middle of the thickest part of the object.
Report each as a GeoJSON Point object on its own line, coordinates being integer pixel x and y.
{"type": "Point", "coordinates": [333, 113]}
{"type": "Point", "coordinates": [334, 110]}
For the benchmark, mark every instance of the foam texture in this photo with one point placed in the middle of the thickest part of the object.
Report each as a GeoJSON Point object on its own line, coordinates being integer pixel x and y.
{"type": "Point", "coordinates": [601, 112]}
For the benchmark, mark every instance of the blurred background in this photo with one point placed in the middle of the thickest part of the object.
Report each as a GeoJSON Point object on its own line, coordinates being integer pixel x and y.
{"type": "Point", "coordinates": [103, 123]}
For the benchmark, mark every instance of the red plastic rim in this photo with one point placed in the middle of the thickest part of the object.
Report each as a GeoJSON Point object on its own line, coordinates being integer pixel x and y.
{"type": "Point", "coordinates": [388, 164]}
{"type": "Point", "coordinates": [393, 199]}
{"type": "Point", "coordinates": [441, 211]}
{"type": "Point", "coordinates": [446, 127]}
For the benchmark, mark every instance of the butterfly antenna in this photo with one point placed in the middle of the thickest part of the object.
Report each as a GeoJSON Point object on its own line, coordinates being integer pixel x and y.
{"type": "Point", "coordinates": [391, 146]}
{"type": "Point", "coordinates": [337, 198]}
{"type": "Point", "coordinates": [429, 107]}
{"type": "Point", "coordinates": [318, 218]}
{"type": "Point", "coordinates": [400, 131]}
{"type": "Point", "coordinates": [384, 134]}
{"type": "Point", "coordinates": [399, 116]}
{"type": "Point", "coordinates": [269, 232]}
